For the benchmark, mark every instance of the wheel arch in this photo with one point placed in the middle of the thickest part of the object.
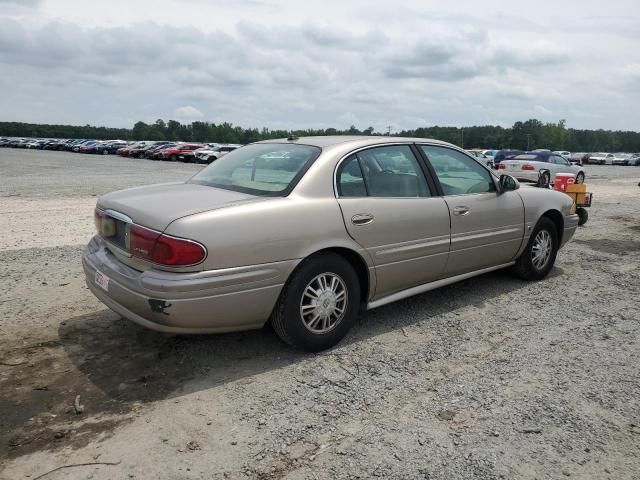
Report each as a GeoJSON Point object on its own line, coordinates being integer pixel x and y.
{"type": "Point", "coordinates": [556, 217]}
{"type": "Point", "coordinates": [359, 264]}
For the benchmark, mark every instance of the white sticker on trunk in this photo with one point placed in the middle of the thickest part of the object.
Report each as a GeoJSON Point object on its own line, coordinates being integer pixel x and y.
{"type": "Point", "coordinates": [102, 281]}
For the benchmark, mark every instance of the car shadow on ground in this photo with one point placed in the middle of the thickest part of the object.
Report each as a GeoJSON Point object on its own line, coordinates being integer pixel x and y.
{"type": "Point", "coordinates": [116, 365]}
{"type": "Point", "coordinates": [123, 359]}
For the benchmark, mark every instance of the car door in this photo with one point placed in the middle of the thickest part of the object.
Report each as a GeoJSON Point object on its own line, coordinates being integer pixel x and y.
{"type": "Point", "coordinates": [487, 227]}
{"type": "Point", "coordinates": [390, 209]}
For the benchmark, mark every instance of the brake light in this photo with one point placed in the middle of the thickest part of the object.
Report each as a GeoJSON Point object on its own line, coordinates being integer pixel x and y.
{"type": "Point", "coordinates": [141, 242]}
{"type": "Point", "coordinates": [175, 251]}
{"type": "Point", "coordinates": [501, 166]}
{"type": "Point", "coordinates": [163, 249]}
{"type": "Point", "coordinates": [528, 167]}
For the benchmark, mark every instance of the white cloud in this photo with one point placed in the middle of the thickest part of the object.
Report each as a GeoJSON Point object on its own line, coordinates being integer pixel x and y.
{"type": "Point", "coordinates": [320, 64]}
{"type": "Point", "coordinates": [188, 113]}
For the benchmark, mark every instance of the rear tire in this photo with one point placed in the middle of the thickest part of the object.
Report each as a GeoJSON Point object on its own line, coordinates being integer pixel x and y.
{"type": "Point", "coordinates": [315, 323]}
{"type": "Point", "coordinates": [538, 257]}
{"type": "Point", "coordinates": [174, 158]}
{"type": "Point", "coordinates": [583, 215]}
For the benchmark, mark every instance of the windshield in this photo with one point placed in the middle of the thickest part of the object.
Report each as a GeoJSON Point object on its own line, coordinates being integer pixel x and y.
{"type": "Point", "coordinates": [260, 169]}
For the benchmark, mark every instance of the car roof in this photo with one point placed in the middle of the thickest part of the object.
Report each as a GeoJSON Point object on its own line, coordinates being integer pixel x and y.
{"type": "Point", "coordinates": [361, 140]}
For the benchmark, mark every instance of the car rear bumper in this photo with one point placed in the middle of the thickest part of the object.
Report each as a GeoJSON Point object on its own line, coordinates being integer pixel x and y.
{"type": "Point", "coordinates": [212, 301]}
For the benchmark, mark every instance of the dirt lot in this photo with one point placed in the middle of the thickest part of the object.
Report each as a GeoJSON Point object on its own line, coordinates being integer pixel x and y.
{"type": "Point", "coordinates": [489, 378]}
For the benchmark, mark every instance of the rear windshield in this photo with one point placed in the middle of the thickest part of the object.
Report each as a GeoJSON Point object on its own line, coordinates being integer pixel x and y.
{"type": "Point", "coordinates": [270, 169]}
{"type": "Point", "coordinates": [530, 157]}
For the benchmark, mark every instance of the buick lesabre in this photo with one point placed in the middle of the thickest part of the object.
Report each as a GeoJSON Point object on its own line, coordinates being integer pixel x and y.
{"type": "Point", "coordinates": [307, 232]}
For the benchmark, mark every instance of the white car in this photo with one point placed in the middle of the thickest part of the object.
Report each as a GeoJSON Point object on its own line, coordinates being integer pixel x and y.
{"type": "Point", "coordinates": [563, 153]}
{"type": "Point", "coordinates": [209, 154]}
{"type": "Point", "coordinates": [527, 166]}
{"type": "Point", "coordinates": [490, 153]}
{"type": "Point", "coordinates": [601, 158]}
{"type": "Point", "coordinates": [480, 156]}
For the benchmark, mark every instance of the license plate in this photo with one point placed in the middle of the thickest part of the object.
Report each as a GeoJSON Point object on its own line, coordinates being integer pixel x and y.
{"type": "Point", "coordinates": [102, 281]}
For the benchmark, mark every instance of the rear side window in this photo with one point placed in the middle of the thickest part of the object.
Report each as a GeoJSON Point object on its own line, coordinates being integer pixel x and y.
{"type": "Point", "coordinates": [388, 172]}
{"type": "Point", "coordinates": [350, 179]}
{"type": "Point", "coordinates": [458, 174]}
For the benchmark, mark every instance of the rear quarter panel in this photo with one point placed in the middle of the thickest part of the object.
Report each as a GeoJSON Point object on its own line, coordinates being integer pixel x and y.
{"type": "Point", "coordinates": [275, 230]}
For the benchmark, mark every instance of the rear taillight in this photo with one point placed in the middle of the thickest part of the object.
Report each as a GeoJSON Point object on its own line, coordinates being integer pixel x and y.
{"type": "Point", "coordinates": [528, 167]}
{"type": "Point", "coordinates": [501, 166]}
{"type": "Point", "coordinates": [163, 249]}
{"type": "Point", "coordinates": [142, 241]}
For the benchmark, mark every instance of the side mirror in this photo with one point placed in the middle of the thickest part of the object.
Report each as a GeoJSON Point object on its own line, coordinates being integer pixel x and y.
{"type": "Point", "coordinates": [508, 183]}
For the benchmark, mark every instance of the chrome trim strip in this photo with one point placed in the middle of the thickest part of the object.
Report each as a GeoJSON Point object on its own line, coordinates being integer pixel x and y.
{"type": "Point", "coordinates": [431, 286]}
{"type": "Point", "coordinates": [118, 216]}
{"type": "Point", "coordinates": [461, 237]}
{"type": "Point", "coordinates": [414, 246]}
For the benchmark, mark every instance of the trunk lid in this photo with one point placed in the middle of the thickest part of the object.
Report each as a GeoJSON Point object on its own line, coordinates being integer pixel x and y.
{"type": "Point", "coordinates": [156, 206]}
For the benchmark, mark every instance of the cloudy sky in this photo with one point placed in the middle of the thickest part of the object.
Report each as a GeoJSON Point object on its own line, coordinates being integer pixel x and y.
{"type": "Point", "coordinates": [291, 63]}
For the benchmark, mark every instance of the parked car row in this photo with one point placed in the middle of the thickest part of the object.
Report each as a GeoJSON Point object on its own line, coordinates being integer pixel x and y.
{"type": "Point", "coordinates": [495, 157]}
{"type": "Point", "coordinates": [177, 151]}
{"type": "Point", "coordinates": [208, 152]}
{"type": "Point", "coordinates": [153, 150]}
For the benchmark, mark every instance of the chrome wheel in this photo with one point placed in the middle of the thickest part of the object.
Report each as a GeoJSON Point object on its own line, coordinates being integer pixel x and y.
{"type": "Point", "coordinates": [541, 249]}
{"type": "Point", "coordinates": [323, 303]}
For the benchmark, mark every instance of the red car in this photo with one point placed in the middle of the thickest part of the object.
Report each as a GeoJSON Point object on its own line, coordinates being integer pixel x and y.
{"type": "Point", "coordinates": [124, 151]}
{"type": "Point", "coordinates": [182, 152]}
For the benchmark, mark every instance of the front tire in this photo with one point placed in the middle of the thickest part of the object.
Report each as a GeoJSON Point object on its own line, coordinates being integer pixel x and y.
{"type": "Point", "coordinates": [319, 303]}
{"type": "Point", "coordinates": [538, 257]}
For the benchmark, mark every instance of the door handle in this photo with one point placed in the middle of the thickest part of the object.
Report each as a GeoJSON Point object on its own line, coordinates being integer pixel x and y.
{"type": "Point", "coordinates": [362, 219]}
{"type": "Point", "coordinates": [461, 210]}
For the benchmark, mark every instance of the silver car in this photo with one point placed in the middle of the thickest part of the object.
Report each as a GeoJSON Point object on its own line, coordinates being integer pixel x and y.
{"type": "Point", "coordinates": [306, 232]}
{"type": "Point", "coordinates": [527, 166]}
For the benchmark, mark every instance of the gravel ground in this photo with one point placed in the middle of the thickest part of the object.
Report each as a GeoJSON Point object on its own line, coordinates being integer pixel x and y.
{"type": "Point", "coordinates": [489, 378]}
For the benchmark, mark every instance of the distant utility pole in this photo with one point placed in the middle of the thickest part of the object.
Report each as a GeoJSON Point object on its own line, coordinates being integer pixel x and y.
{"type": "Point", "coordinates": [462, 138]}
{"type": "Point", "coordinates": [388, 130]}
{"type": "Point", "coordinates": [528, 141]}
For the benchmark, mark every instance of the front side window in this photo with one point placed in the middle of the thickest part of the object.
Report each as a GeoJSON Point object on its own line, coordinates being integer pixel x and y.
{"type": "Point", "coordinates": [458, 174]}
{"type": "Point", "coordinates": [270, 169]}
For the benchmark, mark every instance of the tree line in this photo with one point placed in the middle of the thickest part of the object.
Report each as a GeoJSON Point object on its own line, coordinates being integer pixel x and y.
{"type": "Point", "coordinates": [526, 135]}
